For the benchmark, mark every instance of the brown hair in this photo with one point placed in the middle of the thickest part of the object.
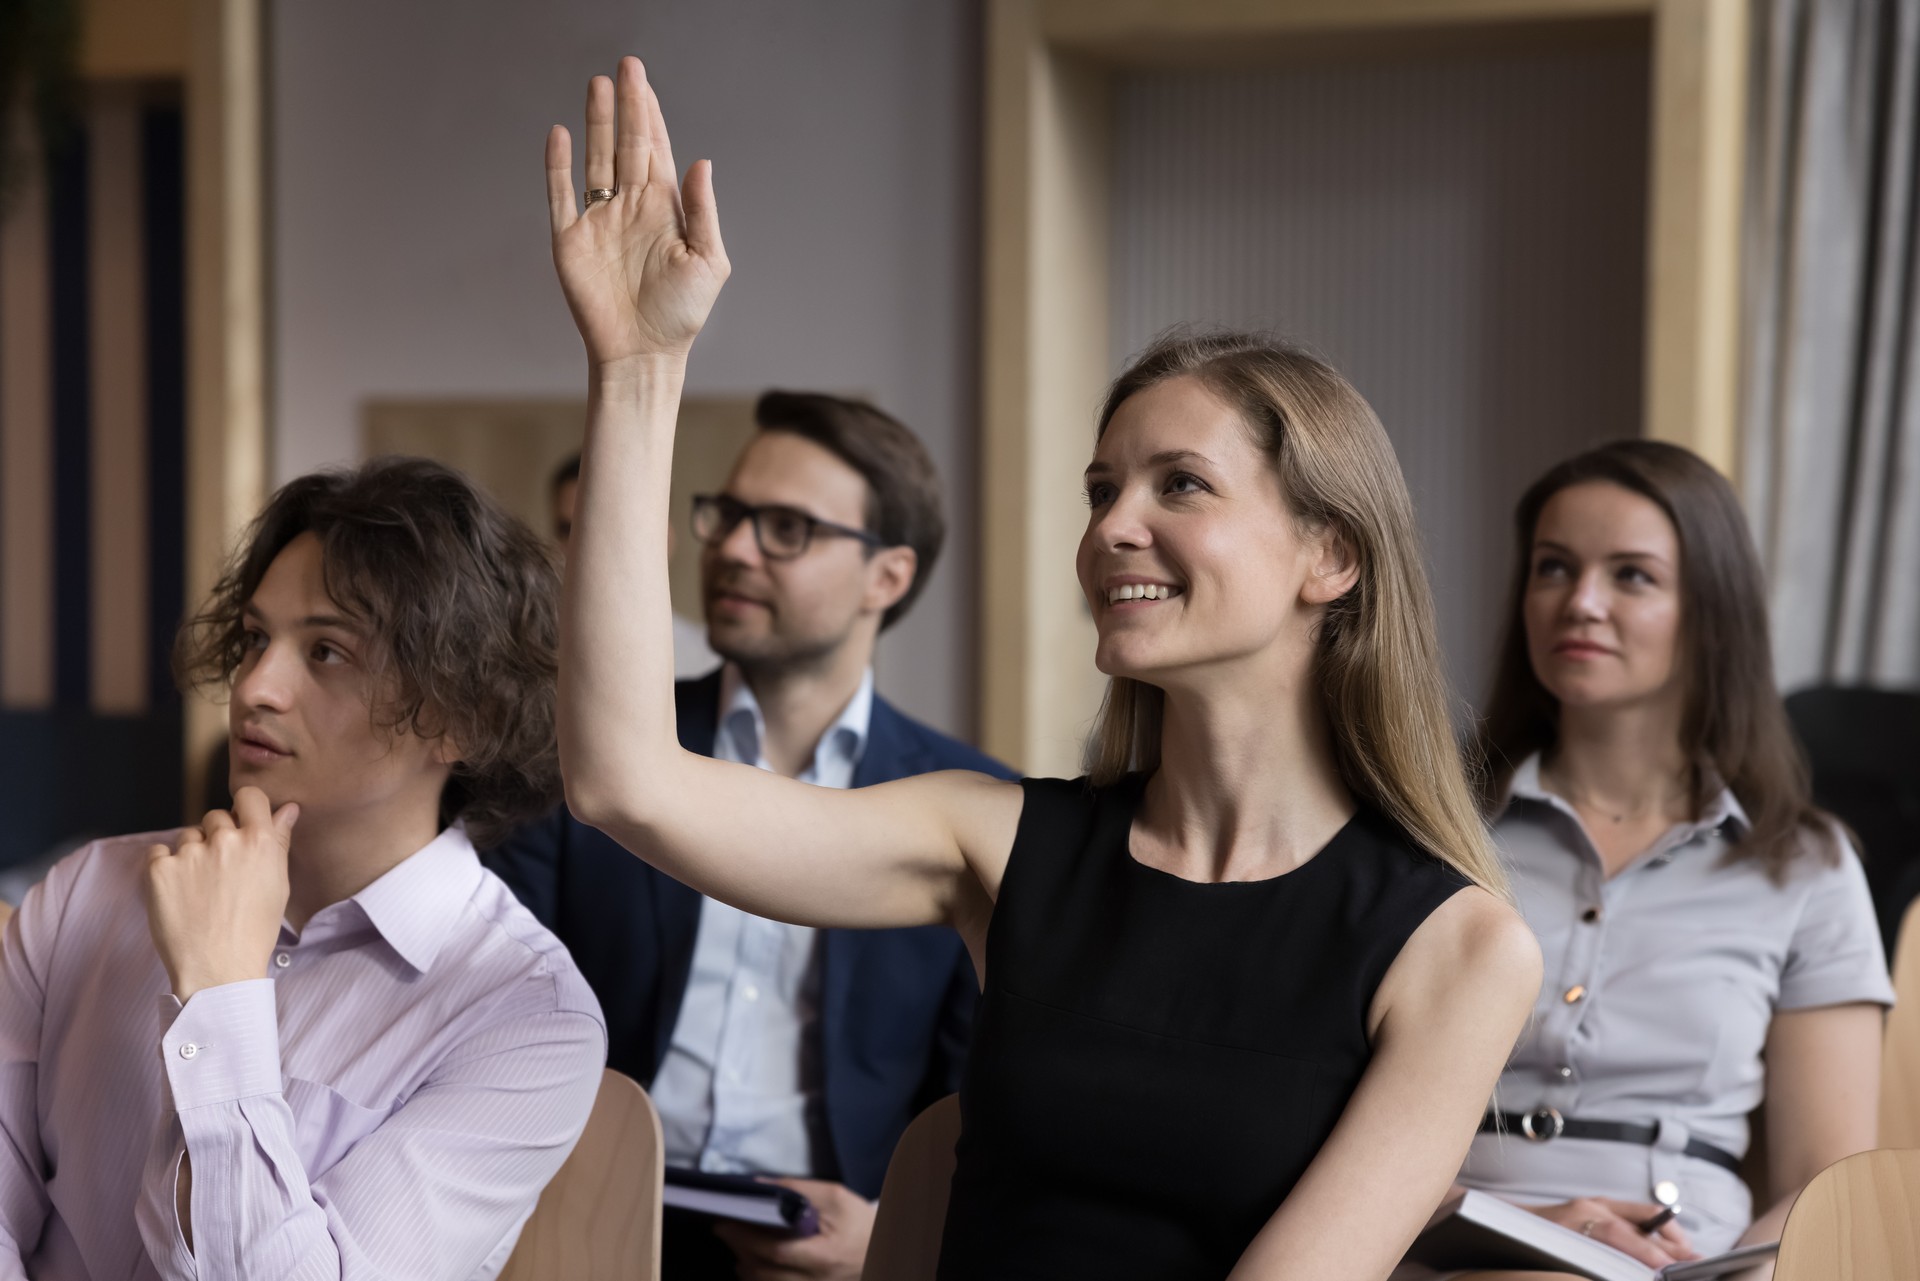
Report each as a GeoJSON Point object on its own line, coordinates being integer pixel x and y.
{"type": "Point", "coordinates": [903, 490]}
{"type": "Point", "coordinates": [1378, 660]}
{"type": "Point", "coordinates": [461, 600]}
{"type": "Point", "coordinates": [1734, 728]}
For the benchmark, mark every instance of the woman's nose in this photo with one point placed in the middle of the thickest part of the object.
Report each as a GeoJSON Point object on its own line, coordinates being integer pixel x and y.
{"type": "Point", "coordinates": [1123, 524]}
{"type": "Point", "coordinates": [1589, 596]}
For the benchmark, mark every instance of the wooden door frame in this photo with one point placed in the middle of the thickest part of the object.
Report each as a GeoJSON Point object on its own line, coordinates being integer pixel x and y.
{"type": "Point", "coordinates": [1050, 65]}
{"type": "Point", "coordinates": [217, 49]}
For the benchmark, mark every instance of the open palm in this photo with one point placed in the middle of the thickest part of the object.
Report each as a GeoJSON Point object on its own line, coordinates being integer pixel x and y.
{"type": "Point", "coordinates": [640, 271]}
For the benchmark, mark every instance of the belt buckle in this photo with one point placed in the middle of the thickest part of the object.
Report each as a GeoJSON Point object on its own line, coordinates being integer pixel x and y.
{"type": "Point", "coordinates": [1531, 1124]}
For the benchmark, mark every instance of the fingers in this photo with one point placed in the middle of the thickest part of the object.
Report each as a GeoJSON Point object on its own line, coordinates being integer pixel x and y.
{"type": "Point", "coordinates": [703, 216]}
{"type": "Point", "coordinates": [634, 144]}
{"type": "Point", "coordinates": [284, 818]}
{"type": "Point", "coordinates": [662, 166]}
{"type": "Point", "coordinates": [218, 821]}
{"type": "Point", "coordinates": [600, 132]}
{"type": "Point", "coordinates": [1626, 1238]}
{"type": "Point", "coordinates": [252, 808]}
{"type": "Point", "coordinates": [562, 207]}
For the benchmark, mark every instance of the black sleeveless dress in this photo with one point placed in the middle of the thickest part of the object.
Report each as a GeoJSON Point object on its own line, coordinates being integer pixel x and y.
{"type": "Point", "coordinates": [1156, 1061]}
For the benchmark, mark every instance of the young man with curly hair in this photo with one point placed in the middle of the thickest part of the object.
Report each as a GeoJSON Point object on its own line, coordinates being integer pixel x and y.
{"type": "Point", "coordinates": [312, 1037]}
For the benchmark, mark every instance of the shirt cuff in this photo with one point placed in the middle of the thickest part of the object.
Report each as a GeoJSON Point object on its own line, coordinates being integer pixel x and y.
{"type": "Point", "coordinates": [224, 1045]}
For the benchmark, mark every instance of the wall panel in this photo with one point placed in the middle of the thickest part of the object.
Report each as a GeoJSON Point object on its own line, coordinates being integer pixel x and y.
{"type": "Point", "coordinates": [1464, 237]}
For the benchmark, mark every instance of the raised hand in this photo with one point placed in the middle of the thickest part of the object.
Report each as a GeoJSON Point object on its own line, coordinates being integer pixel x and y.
{"type": "Point", "coordinates": [642, 269]}
{"type": "Point", "coordinates": [215, 901]}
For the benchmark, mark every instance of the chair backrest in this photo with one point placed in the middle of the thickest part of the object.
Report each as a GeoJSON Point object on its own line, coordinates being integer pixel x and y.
{"type": "Point", "coordinates": [1864, 746]}
{"type": "Point", "coordinates": [905, 1245]}
{"type": "Point", "coordinates": [599, 1219]}
{"type": "Point", "coordinates": [1858, 1220]}
{"type": "Point", "coordinates": [1900, 1058]}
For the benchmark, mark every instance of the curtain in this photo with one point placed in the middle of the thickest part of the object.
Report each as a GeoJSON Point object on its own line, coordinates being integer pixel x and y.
{"type": "Point", "coordinates": [1830, 444]}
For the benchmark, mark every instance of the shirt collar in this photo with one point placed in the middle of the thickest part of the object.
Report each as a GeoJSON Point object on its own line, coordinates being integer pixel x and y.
{"type": "Point", "coordinates": [741, 717]}
{"type": "Point", "coordinates": [1722, 806]}
{"type": "Point", "coordinates": [416, 905]}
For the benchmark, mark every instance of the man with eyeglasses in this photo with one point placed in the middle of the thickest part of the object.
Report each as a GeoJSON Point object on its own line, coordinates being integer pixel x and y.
{"type": "Point", "coordinates": [772, 1049]}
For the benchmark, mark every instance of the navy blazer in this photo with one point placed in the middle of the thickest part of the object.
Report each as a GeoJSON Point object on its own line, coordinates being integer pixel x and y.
{"type": "Point", "coordinates": [896, 1005]}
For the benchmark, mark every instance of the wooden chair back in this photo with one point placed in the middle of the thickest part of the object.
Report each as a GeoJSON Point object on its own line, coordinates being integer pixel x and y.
{"type": "Point", "coordinates": [599, 1219]}
{"type": "Point", "coordinates": [905, 1245]}
{"type": "Point", "coordinates": [1900, 1056]}
{"type": "Point", "coordinates": [1859, 1220]}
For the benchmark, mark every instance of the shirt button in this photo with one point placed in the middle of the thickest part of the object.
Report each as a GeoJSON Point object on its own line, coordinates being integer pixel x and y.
{"type": "Point", "coordinates": [283, 960]}
{"type": "Point", "coordinates": [1575, 993]}
{"type": "Point", "coordinates": [1564, 1071]}
{"type": "Point", "coordinates": [188, 1050]}
{"type": "Point", "coordinates": [1591, 915]}
{"type": "Point", "coordinates": [751, 992]}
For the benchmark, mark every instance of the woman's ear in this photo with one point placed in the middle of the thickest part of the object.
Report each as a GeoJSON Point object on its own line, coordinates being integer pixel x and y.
{"type": "Point", "coordinates": [1335, 569]}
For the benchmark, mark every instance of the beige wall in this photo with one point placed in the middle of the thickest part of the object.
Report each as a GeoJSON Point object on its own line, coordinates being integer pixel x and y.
{"type": "Point", "coordinates": [409, 249]}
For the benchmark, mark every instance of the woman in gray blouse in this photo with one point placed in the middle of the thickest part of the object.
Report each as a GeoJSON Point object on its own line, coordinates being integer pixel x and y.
{"type": "Point", "coordinates": [1708, 937]}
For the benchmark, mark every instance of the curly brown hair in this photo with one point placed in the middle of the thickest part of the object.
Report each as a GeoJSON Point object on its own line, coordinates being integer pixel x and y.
{"type": "Point", "coordinates": [462, 600]}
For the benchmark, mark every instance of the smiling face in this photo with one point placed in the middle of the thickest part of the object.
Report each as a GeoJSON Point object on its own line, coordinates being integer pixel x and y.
{"type": "Point", "coordinates": [1602, 602]}
{"type": "Point", "coordinates": [301, 716]}
{"type": "Point", "coordinates": [1191, 559]}
{"type": "Point", "coordinates": [771, 613]}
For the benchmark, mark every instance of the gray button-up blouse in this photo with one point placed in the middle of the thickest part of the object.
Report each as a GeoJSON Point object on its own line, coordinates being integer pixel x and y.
{"type": "Point", "coordinates": [1660, 985]}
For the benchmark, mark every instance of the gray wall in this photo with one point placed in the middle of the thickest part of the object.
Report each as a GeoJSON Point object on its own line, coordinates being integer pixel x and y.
{"type": "Point", "coordinates": [409, 230]}
{"type": "Point", "coordinates": [1462, 235]}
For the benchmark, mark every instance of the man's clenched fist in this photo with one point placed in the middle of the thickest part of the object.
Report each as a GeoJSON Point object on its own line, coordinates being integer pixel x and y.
{"type": "Point", "coordinates": [214, 904]}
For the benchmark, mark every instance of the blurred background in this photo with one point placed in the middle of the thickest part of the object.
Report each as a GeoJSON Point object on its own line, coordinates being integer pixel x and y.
{"type": "Point", "coordinates": [243, 239]}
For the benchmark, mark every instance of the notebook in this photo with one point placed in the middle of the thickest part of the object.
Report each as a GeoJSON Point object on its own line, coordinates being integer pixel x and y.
{"type": "Point", "coordinates": [1478, 1230]}
{"type": "Point", "coordinates": [740, 1197]}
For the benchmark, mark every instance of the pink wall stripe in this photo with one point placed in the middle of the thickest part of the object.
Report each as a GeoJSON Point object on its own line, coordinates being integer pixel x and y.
{"type": "Point", "coordinates": [117, 315]}
{"type": "Point", "coordinates": [26, 455]}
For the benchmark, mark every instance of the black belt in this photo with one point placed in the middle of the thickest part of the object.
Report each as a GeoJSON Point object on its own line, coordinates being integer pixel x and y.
{"type": "Point", "coordinates": [1546, 1124]}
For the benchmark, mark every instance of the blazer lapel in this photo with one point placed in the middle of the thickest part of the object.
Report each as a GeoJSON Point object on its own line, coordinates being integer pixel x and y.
{"type": "Point", "coordinates": [676, 907]}
{"type": "Point", "coordinates": [893, 752]}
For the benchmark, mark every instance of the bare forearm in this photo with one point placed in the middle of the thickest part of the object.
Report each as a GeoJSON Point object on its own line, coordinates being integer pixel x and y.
{"type": "Point", "coordinates": [1769, 1225]}
{"type": "Point", "coordinates": [616, 721]}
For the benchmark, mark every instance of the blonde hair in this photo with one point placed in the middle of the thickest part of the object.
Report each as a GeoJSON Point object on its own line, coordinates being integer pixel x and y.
{"type": "Point", "coordinates": [1378, 661]}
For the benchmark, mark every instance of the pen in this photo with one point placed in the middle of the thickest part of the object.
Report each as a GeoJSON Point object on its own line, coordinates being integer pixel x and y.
{"type": "Point", "coordinates": [1667, 1214]}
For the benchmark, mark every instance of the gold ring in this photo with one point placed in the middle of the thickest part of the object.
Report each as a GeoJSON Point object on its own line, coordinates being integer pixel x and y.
{"type": "Point", "coordinates": [1586, 1229]}
{"type": "Point", "coordinates": [596, 194]}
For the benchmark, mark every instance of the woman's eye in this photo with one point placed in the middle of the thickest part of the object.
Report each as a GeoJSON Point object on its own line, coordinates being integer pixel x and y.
{"type": "Point", "coordinates": [1549, 567]}
{"type": "Point", "coordinates": [1183, 483]}
{"type": "Point", "coordinates": [1634, 576]}
{"type": "Point", "coordinates": [326, 653]}
{"type": "Point", "coordinates": [1099, 494]}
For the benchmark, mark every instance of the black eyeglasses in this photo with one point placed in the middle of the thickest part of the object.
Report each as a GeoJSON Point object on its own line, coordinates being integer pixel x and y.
{"type": "Point", "coordinates": [782, 532]}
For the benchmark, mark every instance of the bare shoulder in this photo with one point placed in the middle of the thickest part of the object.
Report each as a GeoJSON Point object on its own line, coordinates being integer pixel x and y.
{"type": "Point", "coordinates": [984, 813]}
{"type": "Point", "coordinates": [1474, 949]}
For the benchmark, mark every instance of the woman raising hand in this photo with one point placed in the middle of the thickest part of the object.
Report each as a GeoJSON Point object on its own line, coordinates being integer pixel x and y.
{"type": "Point", "coordinates": [1248, 984]}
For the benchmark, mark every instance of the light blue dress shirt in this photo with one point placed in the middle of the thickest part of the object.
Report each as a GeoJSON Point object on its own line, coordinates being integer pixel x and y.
{"type": "Point", "coordinates": [739, 1089]}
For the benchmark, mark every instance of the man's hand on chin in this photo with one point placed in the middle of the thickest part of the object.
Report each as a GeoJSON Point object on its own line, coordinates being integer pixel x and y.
{"type": "Point", "coordinates": [215, 903]}
{"type": "Point", "coordinates": [835, 1253]}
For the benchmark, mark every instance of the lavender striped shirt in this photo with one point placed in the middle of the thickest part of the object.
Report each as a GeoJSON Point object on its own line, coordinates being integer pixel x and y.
{"type": "Point", "coordinates": [387, 1102]}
